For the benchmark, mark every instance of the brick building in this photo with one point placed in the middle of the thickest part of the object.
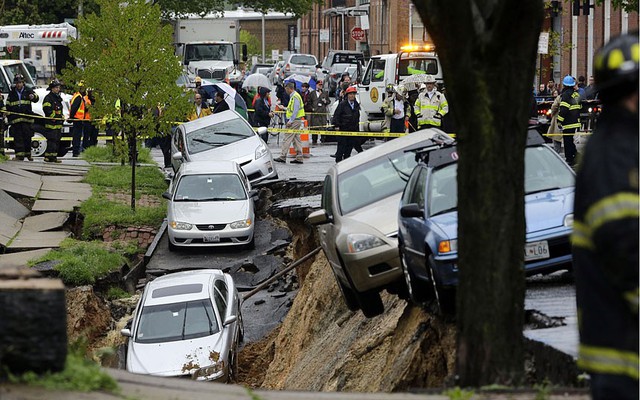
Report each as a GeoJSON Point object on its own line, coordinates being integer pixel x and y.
{"type": "Point", "coordinates": [390, 24]}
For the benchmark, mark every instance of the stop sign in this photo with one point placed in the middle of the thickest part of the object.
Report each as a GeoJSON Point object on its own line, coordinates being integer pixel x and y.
{"type": "Point", "coordinates": [357, 34]}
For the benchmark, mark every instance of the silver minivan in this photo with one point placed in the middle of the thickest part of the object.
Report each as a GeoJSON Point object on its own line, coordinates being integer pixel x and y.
{"type": "Point", "coordinates": [301, 64]}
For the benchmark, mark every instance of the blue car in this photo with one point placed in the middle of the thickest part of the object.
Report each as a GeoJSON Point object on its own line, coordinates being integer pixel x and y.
{"type": "Point", "coordinates": [428, 219]}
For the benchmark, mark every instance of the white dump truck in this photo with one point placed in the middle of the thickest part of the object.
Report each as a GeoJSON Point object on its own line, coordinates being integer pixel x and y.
{"type": "Point", "coordinates": [392, 69]}
{"type": "Point", "coordinates": [209, 48]}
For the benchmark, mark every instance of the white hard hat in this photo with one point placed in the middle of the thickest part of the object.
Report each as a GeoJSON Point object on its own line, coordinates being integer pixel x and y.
{"type": "Point", "coordinates": [430, 79]}
{"type": "Point", "coordinates": [401, 90]}
{"type": "Point", "coordinates": [423, 87]}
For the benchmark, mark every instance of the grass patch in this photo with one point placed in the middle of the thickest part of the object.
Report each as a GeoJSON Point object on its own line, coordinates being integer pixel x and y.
{"type": "Point", "coordinates": [82, 263]}
{"type": "Point", "coordinates": [106, 154]}
{"type": "Point", "coordinates": [116, 292]}
{"type": "Point", "coordinates": [79, 374]}
{"type": "Point", "coordinates": [149, 180]}
{"type": "Point", "coordinates": [458, 394]}
{"type": "Point", "coordinates": [99, 213]}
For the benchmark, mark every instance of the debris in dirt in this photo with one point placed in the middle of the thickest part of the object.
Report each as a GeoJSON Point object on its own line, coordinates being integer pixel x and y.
{"type": "Point", "coordinates": [258, 302]}
{"type": "Point", "coordinates": [534, 319]}
{"type": "Point", "coordinates": [248, 267]}
{"type": "Point", "coordinates": [279, 244]}
{"type": "Point", "coordinates": [47, 268]}
{"type": "Point", "coordinates": [272, 287]}
{"type": "Point", "coordinates": [278, 295]}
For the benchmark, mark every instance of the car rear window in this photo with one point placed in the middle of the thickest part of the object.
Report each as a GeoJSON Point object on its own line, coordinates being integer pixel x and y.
{"type": "Point", "coordinates": [177, 290]}
{"type": "Point", "coordinates": [301, 59]}
{"type": "Point", "coordinates": [218, 134]}
{"type": "Point", "coordinates": [347, 58]}
{"type": "Point", "coordinates": [374, 180]}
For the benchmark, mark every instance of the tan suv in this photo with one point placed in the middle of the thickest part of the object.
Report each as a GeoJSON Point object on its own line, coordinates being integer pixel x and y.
{"type": "Point", "coordinates": [358, 220]}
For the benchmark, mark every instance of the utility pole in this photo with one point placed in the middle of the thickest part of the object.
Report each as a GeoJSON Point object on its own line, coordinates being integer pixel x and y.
{"type": "Point", "coordinates": [263, 41]}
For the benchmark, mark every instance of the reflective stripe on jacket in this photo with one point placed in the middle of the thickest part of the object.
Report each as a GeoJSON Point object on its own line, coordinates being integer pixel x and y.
{"type": "Point", "coordinates": [429, 107]}
{"type": "Point", "coordinates": [19, 108]}
{"type": "Point", "coordinates": [295, 95]}
{"type": "Point", "coordinates": [77, 106]}
{"type": "Point", "coordinates": [52, 108]}
{"type": "Point", "coordinates": [569, 112]}
{"type": "Point", "coordinates": [605, 246]}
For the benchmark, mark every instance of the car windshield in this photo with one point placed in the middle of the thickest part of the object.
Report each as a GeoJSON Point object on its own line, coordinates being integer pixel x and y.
{"type": "Point", "coordinates": [176, 321]}
{"type": "Point", "coordinates": [417, 64]}
{"type": "Point", "coordinates": [218, 134]}
{"type": "Point", "coordinates": [374, 181]}
{"type": "Point", "coordinates": [209, 51]}
{"type": "Point", "coordinates": [303, 59]}
{"type": "Point", "coordinates": [210, 187]}
{"type": "Point", "coordinates": [543, 171]}
{"type": "Point", "coordinates": [339, 67]}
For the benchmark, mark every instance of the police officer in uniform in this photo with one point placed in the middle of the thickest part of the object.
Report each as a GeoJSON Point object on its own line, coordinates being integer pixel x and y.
{"type": "Point", "coordinates": [52, 108]}
{"type": "Point", "coordinates": [605, 232]}
{"type": "Point", "coordinates": [21, 117]}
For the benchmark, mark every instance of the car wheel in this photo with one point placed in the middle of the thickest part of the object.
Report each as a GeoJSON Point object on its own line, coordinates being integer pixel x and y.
{"type": "Point", "coordinates": [445, 298]}
{"type": "Point", "coordinates": [233, 366]}
{"type": "Point", "coordinates": [418, 290]}
{"type": "Point", "coordinates": [370, 303]}
{"type": "Point", "coordinates": [348, 295]}
{"type": "Point", "coordinates": [41, 145]}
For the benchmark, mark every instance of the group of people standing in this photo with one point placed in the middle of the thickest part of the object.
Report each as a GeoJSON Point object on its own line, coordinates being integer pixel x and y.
{"type": "Point", "coordinates": [22, 119]}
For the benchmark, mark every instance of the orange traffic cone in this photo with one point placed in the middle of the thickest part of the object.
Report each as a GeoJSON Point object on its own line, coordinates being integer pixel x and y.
{"type": "Point", "coordinates": [304, 138]}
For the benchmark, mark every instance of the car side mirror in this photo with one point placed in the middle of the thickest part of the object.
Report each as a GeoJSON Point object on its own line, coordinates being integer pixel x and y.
{"type": "Point", "coordinates": [262, 130]}
{"type": "Point", "coordinates": [253, 193]}
{"type": "Point", "coordinates": [411, 210]}
{"type": "Point", "coordinates": [318, 218]}
{"type": "Point", "coordinates": [125, 332]}
{"type": "Point", "coordinates": [166, 195]}
{"type": "Point", "coordinates": [230, 320]}
{"type": "Point", "coordinates": [177, 155]}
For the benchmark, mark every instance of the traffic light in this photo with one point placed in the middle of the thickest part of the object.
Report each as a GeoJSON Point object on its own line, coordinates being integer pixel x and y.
{"type": "Point", "coordinates": [575, 8]}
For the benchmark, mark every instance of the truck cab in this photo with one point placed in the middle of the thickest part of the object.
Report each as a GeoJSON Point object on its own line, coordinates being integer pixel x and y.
{"type": "Point", "coordinates": [392, 69]}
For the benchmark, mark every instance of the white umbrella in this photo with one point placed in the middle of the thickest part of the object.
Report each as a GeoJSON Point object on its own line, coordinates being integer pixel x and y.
{"type": "Point", "coordinates": [412, 82]}
{"type": "Point", "coordinates": [256, 80]}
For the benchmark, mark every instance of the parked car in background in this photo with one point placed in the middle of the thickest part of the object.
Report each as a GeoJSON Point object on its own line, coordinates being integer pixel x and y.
{"type": "Point", "coordinates": [357, 223]}
{"type": "Point", "coordinates": [187, 324]}
{"type": "Point", "coordinates": [210, 205]}
{"type": "Point", "coordinates": [276, 73]}
{"type": "Point", "coordinates": [334, 75]}
{"type": "Point", "coordinates": [260, 68]}
{"type": "Point", "coordinates": [301, 64]}
{"type": "Point", "coordinates": [428, 220]}
{"type": "Point", "coordinates": [342, 57]}
{"type": "Point", "coordinates": [223, 136]}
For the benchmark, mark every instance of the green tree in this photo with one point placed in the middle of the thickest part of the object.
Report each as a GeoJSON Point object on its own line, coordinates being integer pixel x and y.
{"type": "Point", "coordinates": [488, 50]}
{"type": "Point", "coordinates": [254, 44]}
{"type": "Point", "coordinates": [126, 54]}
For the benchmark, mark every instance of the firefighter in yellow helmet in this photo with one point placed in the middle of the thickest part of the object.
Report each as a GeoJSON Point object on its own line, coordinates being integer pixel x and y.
{"type": "Point", "coordinates": [605, 232]}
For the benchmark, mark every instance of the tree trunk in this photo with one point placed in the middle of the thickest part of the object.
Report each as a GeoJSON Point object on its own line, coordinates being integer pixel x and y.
{"type": "Point", "coordinates": [33, 324]}
{"type": "Point", "coordinates": [133, 156]}
{"type": "Point", "coordinates": [488, 50]}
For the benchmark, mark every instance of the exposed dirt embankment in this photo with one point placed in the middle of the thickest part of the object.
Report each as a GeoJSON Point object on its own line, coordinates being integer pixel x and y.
{"type": "Point", "coordinates": [322, 346]}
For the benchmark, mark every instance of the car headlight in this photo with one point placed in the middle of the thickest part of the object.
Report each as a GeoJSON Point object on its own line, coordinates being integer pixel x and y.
{"type": "Point", "coordinates": [568, 220]}
{"type": "Point", "coordinates": [245, 223]}
{"type": "Point", "coordinates": [181, 226]}
{"type": "Point", "coordinates": [448, 246]}
{"type": "Point", "coordinates": [357, 242]}
{"type": "Point", "coordinates": [208, 373]}
{"type": "Point", "coordinates": [261, 151]}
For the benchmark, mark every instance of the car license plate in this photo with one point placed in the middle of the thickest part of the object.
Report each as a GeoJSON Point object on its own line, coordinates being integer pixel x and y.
{"type": "Point", "coordinates": [536, 250]}
{"type": "Point", "coordinates": [211, 238]}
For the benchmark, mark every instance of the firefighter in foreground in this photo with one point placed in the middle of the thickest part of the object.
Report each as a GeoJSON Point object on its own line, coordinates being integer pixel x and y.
{"type": "Point", "coordinates": [52, 108]}
{"type": "Point", "coordinates": [605, 231]}
{"type": "Point", "coordinates": [21, 117]}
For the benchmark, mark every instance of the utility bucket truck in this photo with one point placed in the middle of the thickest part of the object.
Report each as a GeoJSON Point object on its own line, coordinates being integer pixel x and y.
{"type": "Point", "coordinates": [208, 48]}
{"type": "Point", "coordinates": [35, 35]}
